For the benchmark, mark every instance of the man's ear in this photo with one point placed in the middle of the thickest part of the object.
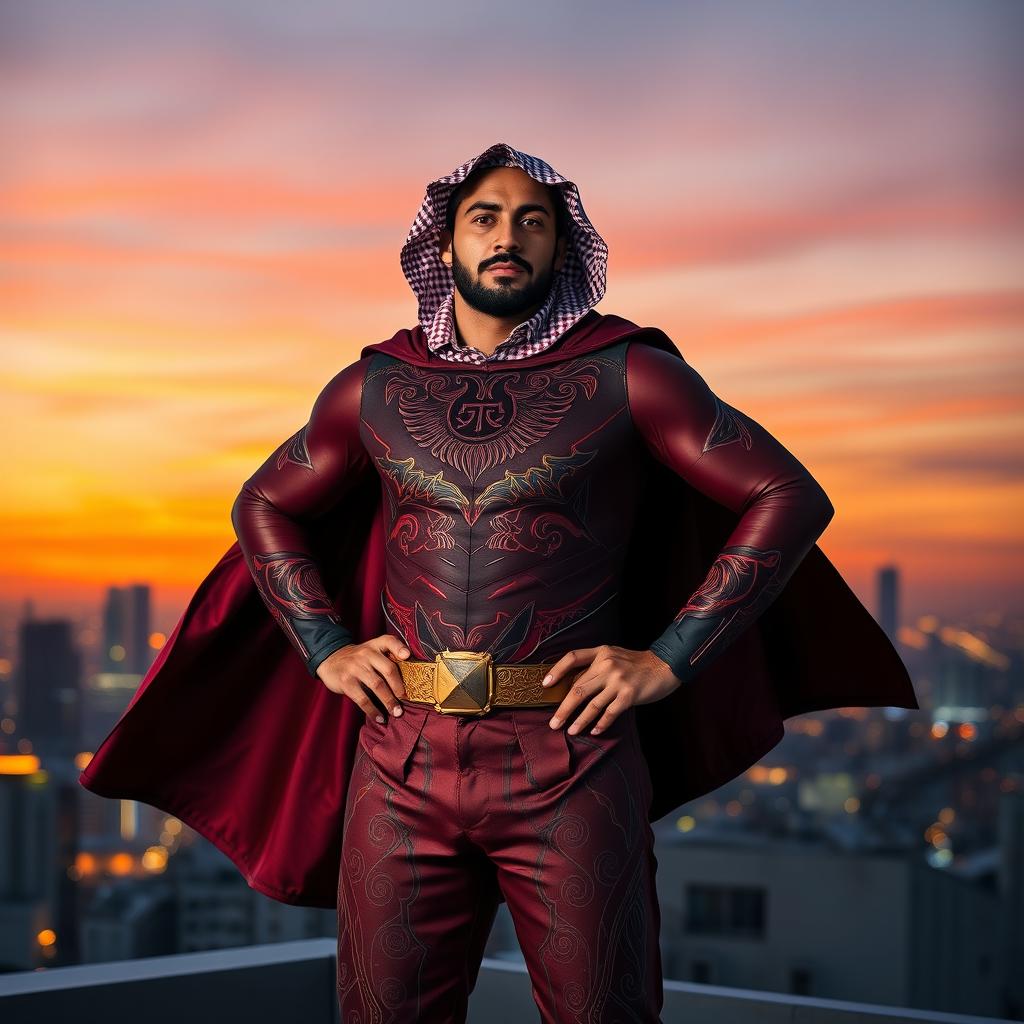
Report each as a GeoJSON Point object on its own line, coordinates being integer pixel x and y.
{"type": "Point", "coordinates": [444, 246]}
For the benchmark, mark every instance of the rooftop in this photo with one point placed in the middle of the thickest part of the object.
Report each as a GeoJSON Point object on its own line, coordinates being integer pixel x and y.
{"type": "Point", "coordinates": [289, 981]}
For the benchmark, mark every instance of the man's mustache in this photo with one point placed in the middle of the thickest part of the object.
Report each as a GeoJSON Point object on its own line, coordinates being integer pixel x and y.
{"type": "Point", "coordinates": [504, 259]}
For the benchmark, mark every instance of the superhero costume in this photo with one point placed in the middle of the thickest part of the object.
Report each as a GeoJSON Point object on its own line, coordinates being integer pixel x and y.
{"type": "Point", "coordinates": [511, 495]}
{"type": "Point", "coordinates": [228, 732]}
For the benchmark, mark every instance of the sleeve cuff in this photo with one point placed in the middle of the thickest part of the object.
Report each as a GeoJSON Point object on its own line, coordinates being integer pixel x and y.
{"type": "Point", "coordinates": [316, 660]}
{"type": "Point", "coordinates": [321, 637]}
{"type": "Point", "coordinates": [675, 656]}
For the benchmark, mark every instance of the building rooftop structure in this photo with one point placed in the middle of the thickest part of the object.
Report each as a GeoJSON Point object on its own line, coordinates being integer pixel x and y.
{"type": "Point", "coordinates": [289, 981]}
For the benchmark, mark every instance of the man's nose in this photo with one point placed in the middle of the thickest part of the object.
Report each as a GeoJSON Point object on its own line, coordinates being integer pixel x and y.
{"type": "Point", "coordinates": [507, 238]}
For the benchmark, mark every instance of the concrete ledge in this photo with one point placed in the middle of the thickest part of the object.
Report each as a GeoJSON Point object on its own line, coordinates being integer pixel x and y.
{"type": "Point", "coordinates": [287, 981]}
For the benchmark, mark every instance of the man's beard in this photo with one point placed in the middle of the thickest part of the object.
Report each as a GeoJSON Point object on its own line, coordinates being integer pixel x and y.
{"type": "Point", "coordinates": [500, 300]}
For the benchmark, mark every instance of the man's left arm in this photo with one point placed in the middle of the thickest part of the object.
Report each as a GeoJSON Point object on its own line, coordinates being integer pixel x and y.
{"type": "Point", "coordinates": [728, 456]}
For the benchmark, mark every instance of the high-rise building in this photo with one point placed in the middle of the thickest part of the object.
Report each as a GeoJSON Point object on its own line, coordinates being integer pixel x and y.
{"type": "Point", "coordinates": [126, 630]}
{"type": "Point", "coordinates": [888, 600]}
{"type": "Point", "coordinates": [48, 673]}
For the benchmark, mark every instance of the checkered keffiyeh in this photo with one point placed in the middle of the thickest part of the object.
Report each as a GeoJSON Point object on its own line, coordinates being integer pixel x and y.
{"type": "Point", "coordinates": [575, 289]}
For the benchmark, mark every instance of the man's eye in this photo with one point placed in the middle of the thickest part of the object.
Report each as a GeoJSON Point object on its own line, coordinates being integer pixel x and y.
{"type": "Point", "coordinates": [526, 220]}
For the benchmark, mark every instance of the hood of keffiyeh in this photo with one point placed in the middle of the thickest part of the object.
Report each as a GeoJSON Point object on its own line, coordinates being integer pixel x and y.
{"type": "Point", "coordinates": [576, 288]}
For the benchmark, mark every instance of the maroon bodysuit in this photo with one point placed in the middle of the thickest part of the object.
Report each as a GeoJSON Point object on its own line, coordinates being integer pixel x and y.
{"type": "Point", "coordinates": [511, 496]}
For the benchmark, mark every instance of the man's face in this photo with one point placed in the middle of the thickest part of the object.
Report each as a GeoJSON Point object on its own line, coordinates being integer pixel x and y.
{"type": "Point", "coordinates": [507, 217]}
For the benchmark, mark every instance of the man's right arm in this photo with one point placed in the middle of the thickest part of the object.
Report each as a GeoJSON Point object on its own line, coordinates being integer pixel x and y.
{"type": "Point", "coordinates": [303, 479]}
{"type": "Point", "coordinates": [726, 455]}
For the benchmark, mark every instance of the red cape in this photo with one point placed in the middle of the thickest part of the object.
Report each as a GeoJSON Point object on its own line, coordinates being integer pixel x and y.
{"type": "Point", "coordinates": [228, 732]}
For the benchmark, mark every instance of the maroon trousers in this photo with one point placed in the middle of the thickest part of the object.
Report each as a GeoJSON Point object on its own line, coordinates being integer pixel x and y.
{"type": "Point", "coordinates": [445, 810]}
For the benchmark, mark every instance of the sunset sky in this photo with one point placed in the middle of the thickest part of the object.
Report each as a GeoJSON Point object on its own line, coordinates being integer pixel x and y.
{"type": "Point", "coordinates": [202, 205]}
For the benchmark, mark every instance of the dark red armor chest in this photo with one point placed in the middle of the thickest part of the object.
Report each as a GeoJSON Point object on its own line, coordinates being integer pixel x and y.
{"type": "Point", "coordinates": [510, 497]}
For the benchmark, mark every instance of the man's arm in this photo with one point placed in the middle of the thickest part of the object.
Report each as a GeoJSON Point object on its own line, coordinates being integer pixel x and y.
{"type": "Point", "coordinates": [732, 459]}
{"type": "Point", "coordinates": [303, 479]}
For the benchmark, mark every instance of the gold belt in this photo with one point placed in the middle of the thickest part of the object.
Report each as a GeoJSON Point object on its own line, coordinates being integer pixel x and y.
{"type": "Point", "coordinates": [469, 683]}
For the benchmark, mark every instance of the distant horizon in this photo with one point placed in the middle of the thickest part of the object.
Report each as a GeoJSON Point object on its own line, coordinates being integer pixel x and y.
{"type": "Point", "coordinates": [169, 603]}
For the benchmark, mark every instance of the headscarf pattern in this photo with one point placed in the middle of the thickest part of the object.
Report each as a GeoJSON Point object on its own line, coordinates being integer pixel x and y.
{"type": "Point", "coordinates": [575, 290]}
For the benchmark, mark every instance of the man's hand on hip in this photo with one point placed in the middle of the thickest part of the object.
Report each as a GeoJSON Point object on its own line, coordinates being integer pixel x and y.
{"type": "Point", "coordinates": [356, 668]}
{"type": "Point", "coordinates": [608, 681]}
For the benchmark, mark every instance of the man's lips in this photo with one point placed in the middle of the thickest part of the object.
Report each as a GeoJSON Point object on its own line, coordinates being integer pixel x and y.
{"type": "Point", "coordinates": [506, 268]}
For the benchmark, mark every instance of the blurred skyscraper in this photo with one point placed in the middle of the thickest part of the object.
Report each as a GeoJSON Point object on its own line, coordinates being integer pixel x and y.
{"type": "Point", "coordinates": [49, 702]}
{"type": "Point", "coordinates": [888, 600]}
{"type": "Point", "coordinates": [126, 616]}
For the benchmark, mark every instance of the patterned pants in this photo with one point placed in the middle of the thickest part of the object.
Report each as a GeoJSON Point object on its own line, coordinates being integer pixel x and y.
{"type": "Point", "coordinates": [444, 811]}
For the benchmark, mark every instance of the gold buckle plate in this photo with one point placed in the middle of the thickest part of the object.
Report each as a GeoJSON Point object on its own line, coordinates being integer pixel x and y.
{"type": "Point", "coordinates": [463, 682]}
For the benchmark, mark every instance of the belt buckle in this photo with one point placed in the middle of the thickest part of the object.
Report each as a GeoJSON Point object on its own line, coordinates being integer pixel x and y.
{"type": "Point", "coordinates": [463, 682]}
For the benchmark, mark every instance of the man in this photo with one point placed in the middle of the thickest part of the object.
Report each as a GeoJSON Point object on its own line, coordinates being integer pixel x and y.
{"type": "Point", "coordinates": [474, 535]}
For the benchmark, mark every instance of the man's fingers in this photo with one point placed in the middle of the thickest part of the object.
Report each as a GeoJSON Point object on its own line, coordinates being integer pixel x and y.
{"type": "Point", "coordinates": [600, 714]}
{"type": "Point", "coordinates": [583, 687]}
{"type": "Point", "coordinates": [572, 661]}
{"type": "Point", "coordinates": [372, 680]}
{"type": "Point", "coordinates": [390, 671]}
{"type": "Point", "coordinates": [365, 705]}
{"type": "Point", "coordinates": [387, 643]}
